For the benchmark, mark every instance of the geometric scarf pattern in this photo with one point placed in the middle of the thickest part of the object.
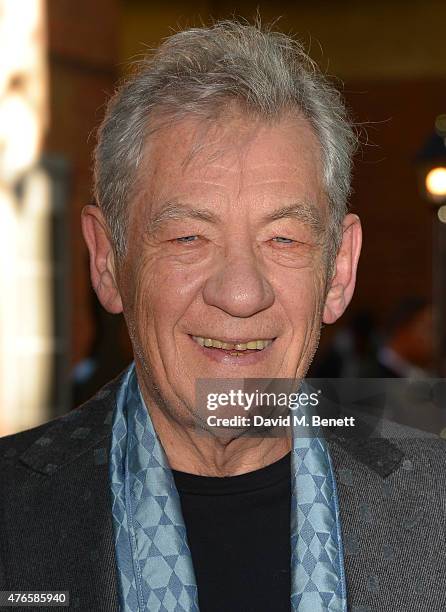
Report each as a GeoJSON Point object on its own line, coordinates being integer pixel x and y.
{"type": "Point", "coordinates": [154, 563]}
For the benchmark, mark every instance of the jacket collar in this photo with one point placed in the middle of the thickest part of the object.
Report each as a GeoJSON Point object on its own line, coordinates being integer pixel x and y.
{"type": "Point", "coordinates": [70, 436]}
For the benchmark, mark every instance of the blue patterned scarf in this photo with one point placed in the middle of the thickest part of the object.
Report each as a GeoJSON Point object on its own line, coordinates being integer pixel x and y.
{"type": "Point", "coordinates": [155, 571]}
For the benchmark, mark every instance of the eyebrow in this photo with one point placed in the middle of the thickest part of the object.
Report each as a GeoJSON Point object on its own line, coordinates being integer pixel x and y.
{"type": "Point", "coordinates": [175, 211]}
{"type": "Point", "coordinates": [304, 212]}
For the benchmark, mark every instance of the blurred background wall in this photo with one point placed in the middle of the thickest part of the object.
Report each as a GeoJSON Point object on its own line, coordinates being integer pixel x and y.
{"type": "Point", "coordinates": [389, 59]}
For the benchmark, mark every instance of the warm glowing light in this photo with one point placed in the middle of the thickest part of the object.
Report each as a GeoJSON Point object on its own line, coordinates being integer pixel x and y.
{"type": "Point", "coordinates": [436, 182]}
{"type": "Point", "coordinates": [19, 137]}
{"type": "Point", "coordinates": [26, 335]}
{"type": "Point", "coordinates": [23, 86]}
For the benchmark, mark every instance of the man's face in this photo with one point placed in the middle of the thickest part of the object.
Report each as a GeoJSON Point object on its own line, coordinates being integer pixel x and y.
{"type": "Point", "coordinates": [225, 243]}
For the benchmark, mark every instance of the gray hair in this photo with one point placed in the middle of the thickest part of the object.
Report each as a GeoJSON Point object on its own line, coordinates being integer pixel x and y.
{"type": "Point", "coordinates": [195, 73]}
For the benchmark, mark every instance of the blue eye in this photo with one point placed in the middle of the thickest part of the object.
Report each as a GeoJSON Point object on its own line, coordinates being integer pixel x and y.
{"type": "Point", "coordinates": [283, 240]}
{"type": "Point", "coordinates": [186, 239]}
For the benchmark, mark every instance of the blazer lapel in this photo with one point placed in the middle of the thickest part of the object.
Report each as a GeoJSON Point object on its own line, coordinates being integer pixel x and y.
{"type": "Point", "coordinates": [70, 508]}
{"type": "Point", "coordinates": [390, 536]}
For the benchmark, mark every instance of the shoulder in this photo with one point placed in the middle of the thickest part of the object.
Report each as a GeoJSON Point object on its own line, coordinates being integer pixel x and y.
{"type": "Point", "coordinates": [51, 446]}
{"type": "Point", "coordinates": [413, 442]}
{"type": "Point", "coordinates": [384, 447]}
{"type": "Point", "coordinates": [55, 519]}
{"type": "Point", "coordinates": [424, 454]}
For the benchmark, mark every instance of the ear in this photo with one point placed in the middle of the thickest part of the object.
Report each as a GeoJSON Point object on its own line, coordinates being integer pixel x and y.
{"type": "Point", "coordinates": [343, 281]}
{"type": "Point", "coordinates": [102, 263]}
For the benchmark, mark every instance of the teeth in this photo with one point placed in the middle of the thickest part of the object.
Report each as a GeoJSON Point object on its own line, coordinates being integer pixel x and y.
{"type": "Point", "coordinates": [251, 345]}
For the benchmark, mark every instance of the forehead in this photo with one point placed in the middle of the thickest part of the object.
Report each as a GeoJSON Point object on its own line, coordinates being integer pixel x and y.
{"type": "Point", "coordinates": [231, 159]}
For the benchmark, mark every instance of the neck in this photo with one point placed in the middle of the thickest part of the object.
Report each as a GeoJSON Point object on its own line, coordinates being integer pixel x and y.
{"type": "Point", "coordinates": [195, 451]}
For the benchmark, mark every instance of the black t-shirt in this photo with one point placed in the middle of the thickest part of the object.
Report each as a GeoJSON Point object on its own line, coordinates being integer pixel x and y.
{"type": "Point", "coordinates": [238, 530]}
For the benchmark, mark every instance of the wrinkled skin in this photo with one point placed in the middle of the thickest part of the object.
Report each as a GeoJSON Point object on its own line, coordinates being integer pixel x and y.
{"type": "Point", "coordinates": [229, 272]}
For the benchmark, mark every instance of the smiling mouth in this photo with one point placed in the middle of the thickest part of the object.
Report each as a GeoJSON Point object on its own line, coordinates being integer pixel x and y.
{"type": "Point", "coordinates": [234, 348]}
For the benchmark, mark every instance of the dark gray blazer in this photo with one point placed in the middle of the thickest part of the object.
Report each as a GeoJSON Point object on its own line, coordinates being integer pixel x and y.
{"type": "Point", "coordinates": [56, 525]}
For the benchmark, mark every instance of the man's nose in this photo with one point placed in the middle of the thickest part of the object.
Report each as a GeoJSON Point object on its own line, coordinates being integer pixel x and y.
{"type": "Point", "coordinates": [238, 286]}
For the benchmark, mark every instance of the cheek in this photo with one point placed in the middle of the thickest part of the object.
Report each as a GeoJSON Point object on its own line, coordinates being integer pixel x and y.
{"type": "Point", "coordinates": [163, 292]}
{"type": "Point", "coordinates": [301, 296]}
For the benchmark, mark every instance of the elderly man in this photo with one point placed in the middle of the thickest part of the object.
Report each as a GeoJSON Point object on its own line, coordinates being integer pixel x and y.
{"type": "Point", "coordinates": [222, 173]}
